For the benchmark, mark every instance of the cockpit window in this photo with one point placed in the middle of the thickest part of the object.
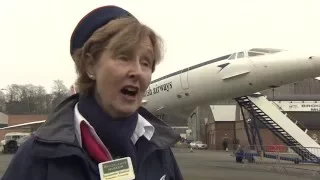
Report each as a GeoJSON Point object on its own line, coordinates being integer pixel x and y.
{"type": "Point", "coordinates": [232, 56]}
{"type": "Point", "coordinates": [240, 55]}
{"type": "Point", "coordinates": [251, 54]}
{"type": "Point", "coordinates": [266, 50]}
{"type": "Point", "coordinates": [262, 51]}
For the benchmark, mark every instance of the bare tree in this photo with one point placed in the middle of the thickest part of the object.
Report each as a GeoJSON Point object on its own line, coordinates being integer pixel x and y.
{"type": "Point", "coordinates": [31, 99]}
{"type": "Point", "coordinates": [59, 92]}
{"type": "Point", "coordinates": [2, 101]}
{"type": "Point", "coordinates": [15, 103]}
{"type": "Point", "coordinates": [26, 99]}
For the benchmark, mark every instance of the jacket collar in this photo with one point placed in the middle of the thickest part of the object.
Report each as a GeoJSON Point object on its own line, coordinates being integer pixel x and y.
{"type": "Point", "coordinates": [59, 127]}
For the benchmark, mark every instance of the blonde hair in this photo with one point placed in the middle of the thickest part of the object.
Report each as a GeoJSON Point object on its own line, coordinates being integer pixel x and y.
{"type": "Point", "coordinates": [118, 35]}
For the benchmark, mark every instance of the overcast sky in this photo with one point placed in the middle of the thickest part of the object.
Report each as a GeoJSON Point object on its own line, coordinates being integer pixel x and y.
{"type": "Point", "coordinates": [35, 34]}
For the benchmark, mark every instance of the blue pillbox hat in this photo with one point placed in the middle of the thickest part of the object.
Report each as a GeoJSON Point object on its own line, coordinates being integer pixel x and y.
{"type": "Point", "coordinates": [93, 21]}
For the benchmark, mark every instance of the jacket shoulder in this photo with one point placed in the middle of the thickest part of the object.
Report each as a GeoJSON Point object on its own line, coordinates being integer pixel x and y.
{"type": "Point", "coordinates": [24, 166]}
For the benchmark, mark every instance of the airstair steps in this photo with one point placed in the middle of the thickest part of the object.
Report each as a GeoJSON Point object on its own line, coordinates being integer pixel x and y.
{"type": "Point", "coordinates": [278, 122]}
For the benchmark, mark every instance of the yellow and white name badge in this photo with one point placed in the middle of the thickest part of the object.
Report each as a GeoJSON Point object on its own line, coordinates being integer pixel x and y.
{"type": "Point", "coordinates": [119, 169]}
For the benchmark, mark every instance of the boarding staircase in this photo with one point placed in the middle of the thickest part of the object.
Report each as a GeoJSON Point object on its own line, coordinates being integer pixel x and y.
{"type": "Point", "coordinates": [283, 127]}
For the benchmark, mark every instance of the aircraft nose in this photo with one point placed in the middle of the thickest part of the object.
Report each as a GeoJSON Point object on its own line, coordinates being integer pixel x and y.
{"type": "Point", "coordinates": [288, 66]}
{"type": "Point", "coordinates": [315, 60]}
{"type": "Point", "coordinates": [311, 56]}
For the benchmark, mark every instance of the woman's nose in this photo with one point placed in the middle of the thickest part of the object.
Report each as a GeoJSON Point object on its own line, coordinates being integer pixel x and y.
{"type": "Point", "coordinates": [136, 69]}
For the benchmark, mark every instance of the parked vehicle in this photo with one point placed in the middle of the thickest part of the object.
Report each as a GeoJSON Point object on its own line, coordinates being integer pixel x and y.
{"type": "Point", "coordinates": [198, 145]}
{"type": "Point", "coordinates": [10, 142]}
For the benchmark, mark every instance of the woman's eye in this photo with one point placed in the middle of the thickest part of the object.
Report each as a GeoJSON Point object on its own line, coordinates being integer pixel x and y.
{"type": "Point", "coordinates": [123, 57]}
{"type": "Point", "coordinates": [146, 63]}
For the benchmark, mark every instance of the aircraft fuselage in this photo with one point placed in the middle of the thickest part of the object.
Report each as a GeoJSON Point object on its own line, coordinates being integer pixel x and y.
{"type": "Point", "coordinates": [229, 77]}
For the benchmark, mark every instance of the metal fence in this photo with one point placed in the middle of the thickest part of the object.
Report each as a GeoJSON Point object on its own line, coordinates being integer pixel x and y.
{"type": "Point", "coordinates": [283, 159]}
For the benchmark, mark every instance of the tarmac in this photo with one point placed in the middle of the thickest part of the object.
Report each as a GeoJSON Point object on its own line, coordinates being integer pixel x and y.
{"type": "Point", "coordinates": [219, 165]}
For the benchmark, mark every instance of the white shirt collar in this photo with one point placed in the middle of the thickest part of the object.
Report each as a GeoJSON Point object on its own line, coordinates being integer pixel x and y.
{"type": "Point", "coordinates": [143, 128]}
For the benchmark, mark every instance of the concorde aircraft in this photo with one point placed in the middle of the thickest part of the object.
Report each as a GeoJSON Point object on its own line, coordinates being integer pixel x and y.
{"type": "Point", "coordinates": [233, 75]}
{"type": "Point", "coordinates": [230, 76]}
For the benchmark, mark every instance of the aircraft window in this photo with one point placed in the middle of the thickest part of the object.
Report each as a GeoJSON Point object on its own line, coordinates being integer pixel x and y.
{"type": "Point", "coordinates": [232, 56]}
{"type": "Point", "coordinates": [251, 54]}
{"type": "Point", "coordinates": [240, 55]}
{"type": "Point", "coordinates": [266, 50]}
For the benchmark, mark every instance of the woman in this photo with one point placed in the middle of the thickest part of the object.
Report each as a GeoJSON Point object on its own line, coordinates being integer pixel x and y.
{"type": "Point", "coordinates": [115, 56]}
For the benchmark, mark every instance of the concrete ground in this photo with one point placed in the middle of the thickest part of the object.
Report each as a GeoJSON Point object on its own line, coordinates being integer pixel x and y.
{"type": "Point", "coordinates": [213, 165]}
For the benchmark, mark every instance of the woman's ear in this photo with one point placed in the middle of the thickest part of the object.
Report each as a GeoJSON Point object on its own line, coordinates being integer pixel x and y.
{"type": "Point", "coordinates": [90, 66]}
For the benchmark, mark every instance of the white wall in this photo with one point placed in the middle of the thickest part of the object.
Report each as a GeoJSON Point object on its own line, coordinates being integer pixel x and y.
{"type": "Point", "coordinates": [302, 106]}
{"type": "Point", "coordinates": [3, 118]}
{"type": "Point", "coordinates": [224, 112]}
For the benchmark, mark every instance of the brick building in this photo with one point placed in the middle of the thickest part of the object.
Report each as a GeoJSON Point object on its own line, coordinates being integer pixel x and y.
{"type": "Point", "coordinates": [226, 121]}
{"type": "Point", "coordinates": [18, 119]}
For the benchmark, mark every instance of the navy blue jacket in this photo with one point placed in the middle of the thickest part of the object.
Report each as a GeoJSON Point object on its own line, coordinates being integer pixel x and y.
{"type": "Point", "coordinates": [53, 151]}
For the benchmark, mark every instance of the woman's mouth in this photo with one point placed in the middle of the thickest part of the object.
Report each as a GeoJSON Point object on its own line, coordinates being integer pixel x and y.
{"type": "Point", "coordinates": [130, 92]}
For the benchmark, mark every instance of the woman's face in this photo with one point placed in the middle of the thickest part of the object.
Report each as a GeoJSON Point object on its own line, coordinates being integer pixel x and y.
{"type": "Point", "coordinates": [123, 78]}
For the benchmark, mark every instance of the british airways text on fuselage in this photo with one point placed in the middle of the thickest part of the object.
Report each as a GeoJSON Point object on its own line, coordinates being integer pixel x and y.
{"type": "Point", "coordinates": [157, 89]}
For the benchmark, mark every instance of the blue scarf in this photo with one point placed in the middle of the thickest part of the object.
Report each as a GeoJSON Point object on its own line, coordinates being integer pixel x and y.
{"type": "Point", "coordinates": [114, 133]}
